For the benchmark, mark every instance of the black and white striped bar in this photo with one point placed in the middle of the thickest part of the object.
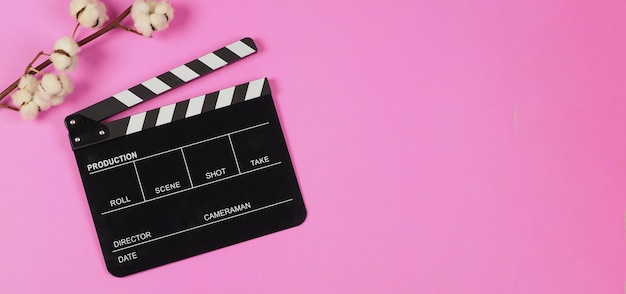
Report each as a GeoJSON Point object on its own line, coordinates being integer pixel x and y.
{"type": "Point", "coordinates": [188, 108]}
{"type": "Point", "coordinates": [170, 80]}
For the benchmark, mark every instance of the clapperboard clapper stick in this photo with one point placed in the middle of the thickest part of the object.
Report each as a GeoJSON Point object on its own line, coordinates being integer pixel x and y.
{"type": "Point", "coordinates": [189, 177]}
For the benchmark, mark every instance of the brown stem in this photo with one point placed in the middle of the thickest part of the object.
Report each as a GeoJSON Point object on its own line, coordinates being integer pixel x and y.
{"type": "Point", "coordinates": [30, 65]}
{"type": "Point", "coordinates": [125, 28]}
{"type": "Point", "coordinates": [9, 107]}
{"type": "Point", "coordinates": [75, 30]}
{"type": "Point", "coordinates": [111, 26]}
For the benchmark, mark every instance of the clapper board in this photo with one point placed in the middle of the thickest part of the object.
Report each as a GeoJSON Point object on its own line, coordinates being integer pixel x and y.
{"type": "Point", "coordinates": [189, 177]}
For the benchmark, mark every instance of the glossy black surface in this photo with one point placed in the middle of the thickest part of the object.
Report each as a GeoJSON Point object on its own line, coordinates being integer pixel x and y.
{"type": "Point", "coordinates": [196, 185]}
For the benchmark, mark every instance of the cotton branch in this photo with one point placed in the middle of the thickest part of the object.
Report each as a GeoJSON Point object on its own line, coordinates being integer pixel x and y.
{"type": "Point", "coordinates": [34, 95]}
{"type": "Point", "coordinates": [115, 24]}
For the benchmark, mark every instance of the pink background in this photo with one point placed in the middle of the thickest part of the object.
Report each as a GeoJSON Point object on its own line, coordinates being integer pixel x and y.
{"type": "Point", "coordinates": [441, 146]}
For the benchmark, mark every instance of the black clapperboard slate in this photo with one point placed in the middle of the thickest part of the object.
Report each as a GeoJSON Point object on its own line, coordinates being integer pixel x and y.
{"type": "Point", "coordinates": [186, 178]}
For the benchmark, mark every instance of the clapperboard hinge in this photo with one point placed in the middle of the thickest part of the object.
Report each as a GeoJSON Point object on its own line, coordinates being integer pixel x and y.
{"type": "Point", "coordinates": [185, 109]}
{"type": "Point", "coordinates": [85, 127]}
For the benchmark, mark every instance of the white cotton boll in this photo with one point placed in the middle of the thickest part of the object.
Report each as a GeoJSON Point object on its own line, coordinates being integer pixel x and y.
{"type": "Point", "coordinates": [63, 62]}
{"type": "Point", "coordinates": [57, 100]}
{"type": "Point", "coordinates": [76, 6]}
{"type": "Point", "coordinates": [152, 5]}
{"type": "Point", "coordinates": [29, 111]}
{"type": "Point", "coordinates": [140, 7]}
{"type": "Point", "coordinates": [158, 21]}
{"type": "Point", "coordinates": [140, 13]}
{"type": "Point", "coordinates": [164, 8]}
{"type": "Point", "coordinates": [142, 24]}
{"type": "Point", "coordinates": [21, 97]}
{"type": "Point", "coordinates": [50, 85]}
{"type": "Point", "coordinates": [68, 45]}
{"type": "Point", "coordinates": [73, 64]}
{"type": "Point", "coordinates": [104, 17]}
{"type": "Point", "coordinates": [28, 83]}
{"type": "Point", "coordinates": [42, 101]}
{"type": "Point", "coordinates": [150, 16]}
{"type": "Point", "coordinates": [93, 15]}
{"type": "Point", "coordinates": [60, 61]}
{"type": "Point", "coordinates": [160, 7]}
{"type": "Point", "coordinates": [67, 84]}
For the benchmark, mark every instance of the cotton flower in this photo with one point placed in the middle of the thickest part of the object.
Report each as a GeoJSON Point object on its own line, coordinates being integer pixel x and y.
{"type": "Point", "coordinates": [50, 85]}
{"type": "Point", "coordinates": [21, 97]}
{"type": "Point", "coordinates": [29, 111]}
{"type": "Point", "coordinates": [42, 101]}
{"type": "Point", "coordinates": [68, 87]}
{"type": "Point", "coordinates": [89, 13]}
{"type": "Point", "coordinates": [55, 85]}
{"type": "Point", "coordinates": [29, 83]}
{"type": "Point", "coordinates": [63, 62]}
{"type": "Point", "coordinates": [34, 96]}
{"type": "Point", "coordinates": [163, 14]}
{"type": "Point", "coordinates": [57, 100]}
{"type": "Point", "coordinates": [27, 87]}
{"type": "Point", "coordinates": [64, 55]}
{"type": "Point", "coordinates": [68, 45]}
{"type": "Point", "coordinates": [150, 16]}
